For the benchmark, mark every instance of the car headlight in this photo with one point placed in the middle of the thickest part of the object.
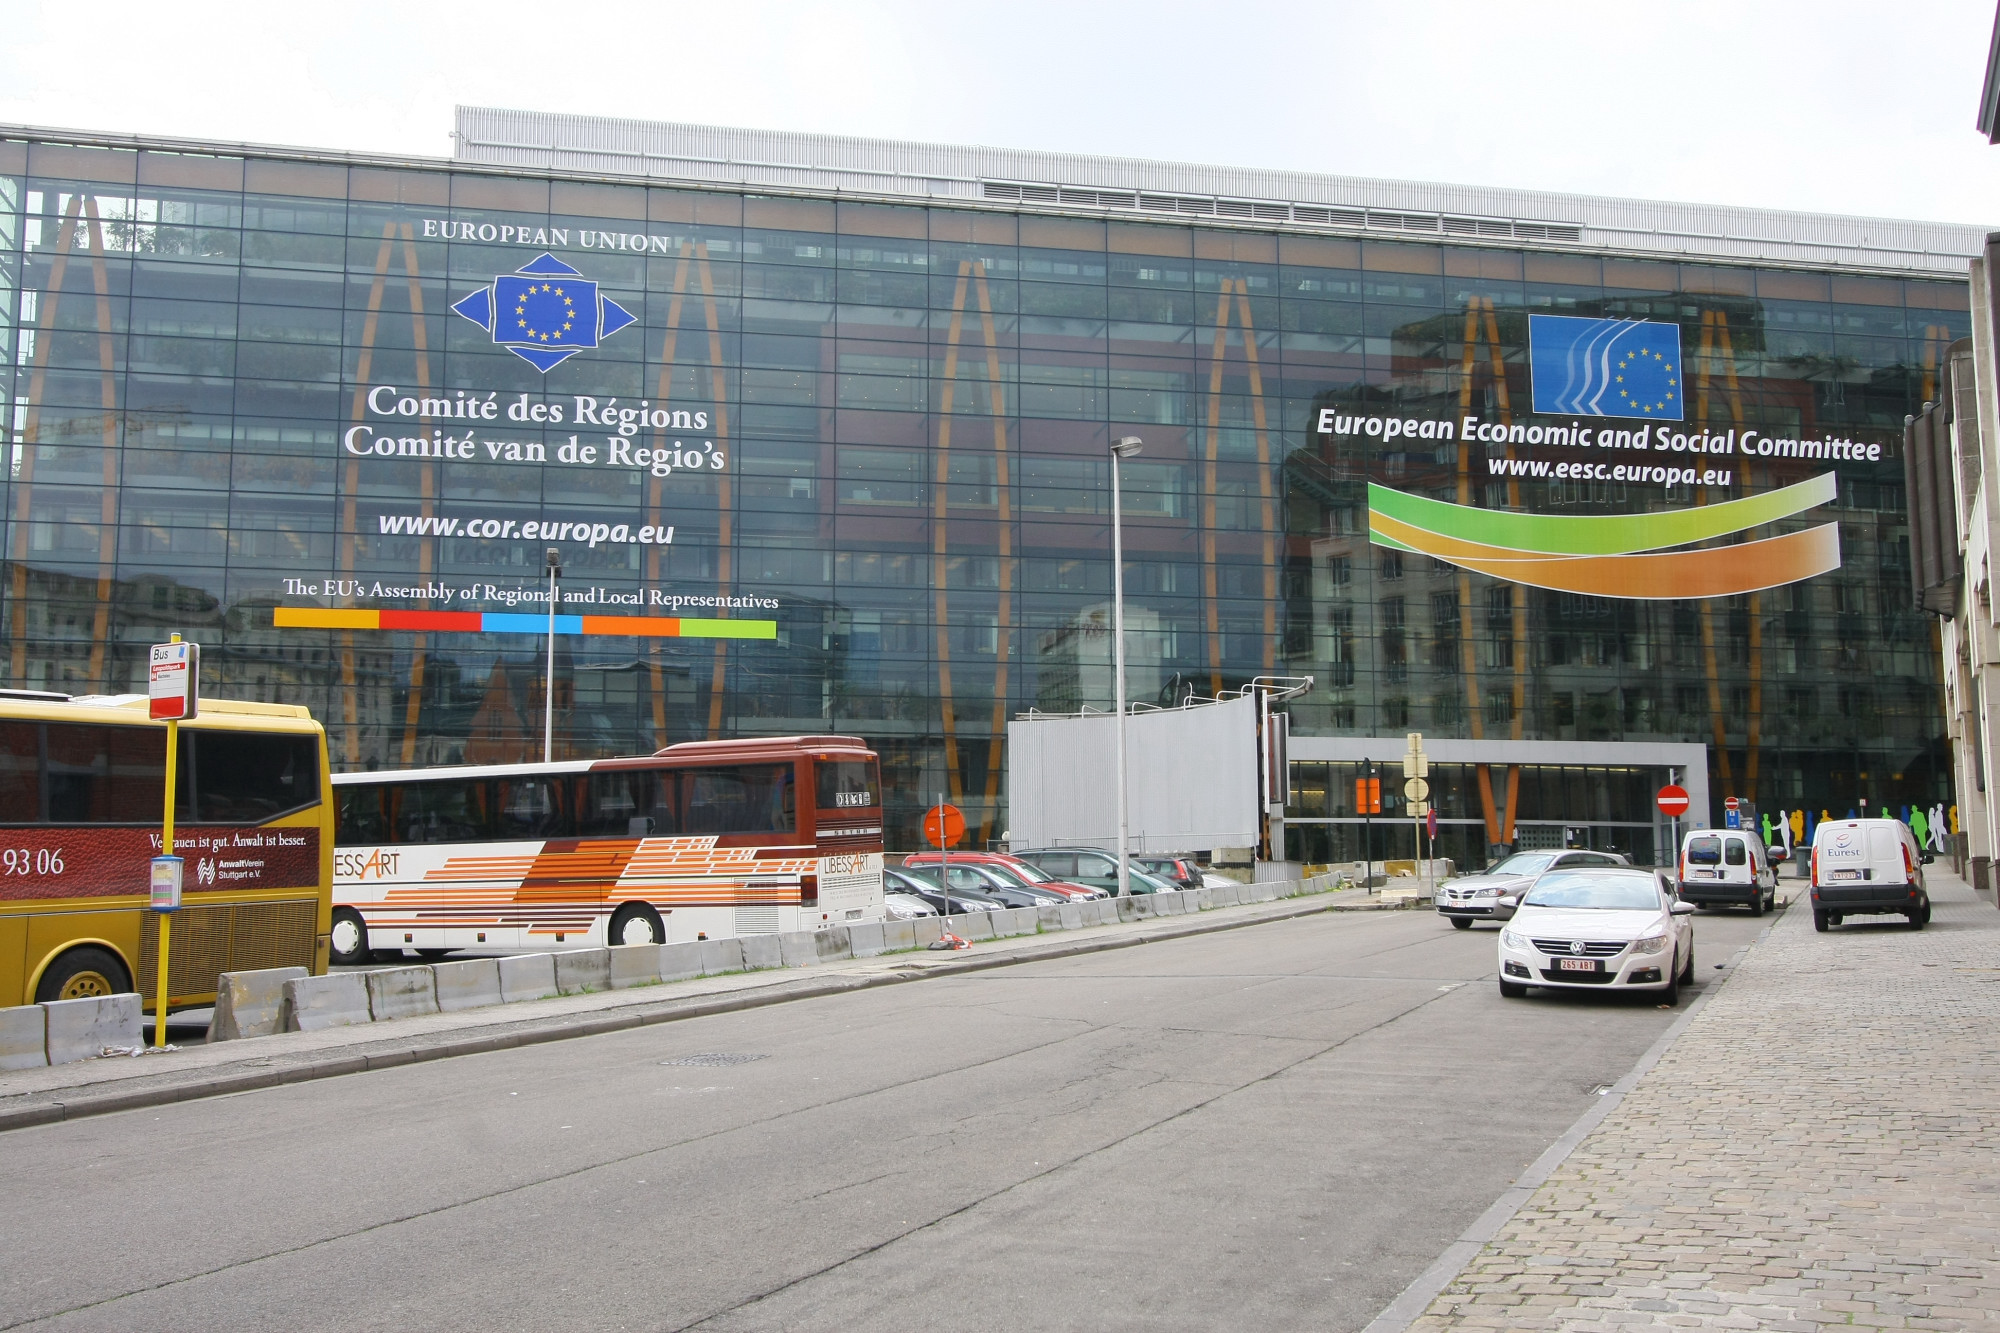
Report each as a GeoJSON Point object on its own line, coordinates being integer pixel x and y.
{"type": "Point", "coordinates": [1652, 942]}
{"type": "Point", "coordinates": [1513, 941]}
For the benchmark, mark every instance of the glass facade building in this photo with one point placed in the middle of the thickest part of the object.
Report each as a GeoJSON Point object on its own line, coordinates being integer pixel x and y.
{"type": "Point", "coordinates": [821, 459]}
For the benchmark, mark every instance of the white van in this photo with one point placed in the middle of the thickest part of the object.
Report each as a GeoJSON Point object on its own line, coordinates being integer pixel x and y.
{"type": "Point", "coordinates": [1868, 867]}
{"type": "Point", "coordinates": [1723, 867]}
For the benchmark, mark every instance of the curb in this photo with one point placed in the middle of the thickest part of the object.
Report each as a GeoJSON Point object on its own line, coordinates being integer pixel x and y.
{"type": "Point", "coordinates": [389, 1053]}
{"type": "Point", "coordinates": [1414, 1299]}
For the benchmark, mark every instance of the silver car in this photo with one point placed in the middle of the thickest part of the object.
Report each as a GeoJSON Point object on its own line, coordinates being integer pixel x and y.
{"type": "Point", "coordinates": [1493, 894]}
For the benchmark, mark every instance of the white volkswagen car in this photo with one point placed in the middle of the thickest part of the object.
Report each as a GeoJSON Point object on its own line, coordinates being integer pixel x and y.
{"type": "Point", "coordinates": [1612, 928]}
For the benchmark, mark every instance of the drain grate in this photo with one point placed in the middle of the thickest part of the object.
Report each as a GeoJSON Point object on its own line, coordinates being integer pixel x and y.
{"type": "Point", "coordinates": [713, 1059]}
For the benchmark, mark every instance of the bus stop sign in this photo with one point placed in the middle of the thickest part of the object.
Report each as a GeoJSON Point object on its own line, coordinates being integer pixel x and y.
{"type": "Point", "coordinates": [173, 681]}
{"type": "Point", "coordinates": [1673, 801]}
{"type": "Point", "coordinates": [944, 825]}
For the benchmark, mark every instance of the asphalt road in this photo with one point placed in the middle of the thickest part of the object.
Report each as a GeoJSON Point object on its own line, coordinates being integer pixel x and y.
{"type": "Point", "coordinates": [1274, 1127]}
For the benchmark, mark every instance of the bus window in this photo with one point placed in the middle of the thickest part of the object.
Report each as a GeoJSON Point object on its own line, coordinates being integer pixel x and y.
{"type": "Point", "coordinates": [532, 808]}
{"type": "Point", "coordinates": [108, 775]}
{"type": "Point", "coordinates": [847, 783]}
{"type": "Point", "coordinates": [618, 804]}
{"type": "Point", "coordinates": [20, 772]}
{"type": "Point", "coordinates": [246, 777]}
{"type": "Point", "coordinates": [363, 818]}
{"type": "Point", "coordinates": [748, 798]}
{"type": "Point", "coordinates": [441, 811]}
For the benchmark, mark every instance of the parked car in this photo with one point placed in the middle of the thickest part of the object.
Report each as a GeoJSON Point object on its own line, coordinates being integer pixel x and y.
{"type": "Point", "coordinates": [989, 880]}
{"type": "Point", "coordinates": [1614, 928]}
{"type": "Point", "coordinates": [1721, 867]}
{"type": "Point", "coordinates": [920, 885]}
{"type": "Point", "coordinates": [1019, 872]}
{"type": "Point", "coordinates": [1868, 867]}
{"type": "Point", "coordinates": [1179, 871]}
{"type": "Point", "coordinates": [1491, 894]}
{"type": "Point", "coordinates": [906, 906]}
{"type": "Point", "coordinates": [1089, 865]}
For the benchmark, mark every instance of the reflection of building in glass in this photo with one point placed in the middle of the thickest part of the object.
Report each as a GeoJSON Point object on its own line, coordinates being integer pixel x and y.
{"type": "Point", "coordinates": [908, 361]}
{"type": "Point", "coordinates": [1074, 670]}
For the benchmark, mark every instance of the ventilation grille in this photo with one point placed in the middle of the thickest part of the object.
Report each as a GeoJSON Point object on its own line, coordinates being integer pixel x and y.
{"type": "Point", "coordinates": [211, 939]}
{"type": "Point", "coordinates": [1253, 210]}
{"type": "Point", "coordinates": [756, 919]}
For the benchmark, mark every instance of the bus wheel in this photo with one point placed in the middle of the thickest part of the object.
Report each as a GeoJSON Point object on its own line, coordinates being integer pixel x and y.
{"type": "Point", "coordinates": [636, 923]}
{"type": "Point", "coordinates": [83, 974]}
{"type": "Point", "coordinates": [349, 944]}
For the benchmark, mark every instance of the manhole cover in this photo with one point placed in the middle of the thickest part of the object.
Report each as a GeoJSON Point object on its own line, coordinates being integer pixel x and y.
{"type": "Point", "coordinates": [712, 1058]}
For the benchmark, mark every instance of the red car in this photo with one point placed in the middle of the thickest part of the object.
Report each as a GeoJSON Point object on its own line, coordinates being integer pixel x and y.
{"type": "Point", "coordinates": [1020, 871]}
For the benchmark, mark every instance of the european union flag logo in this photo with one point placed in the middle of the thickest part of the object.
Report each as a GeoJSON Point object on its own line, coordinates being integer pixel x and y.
{"type": "Point", "coordinates": [1605, 367]}
{"type": "Point", "coordinates": [545, 312]}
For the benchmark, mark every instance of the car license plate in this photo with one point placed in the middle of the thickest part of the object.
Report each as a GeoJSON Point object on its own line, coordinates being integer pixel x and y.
{"type": "Point", "coordinates": [1576, 964]}
{"type": "Point", "coordinates": [1847, 874]}
{"type": "Point", "coordinates": [1702, 874]}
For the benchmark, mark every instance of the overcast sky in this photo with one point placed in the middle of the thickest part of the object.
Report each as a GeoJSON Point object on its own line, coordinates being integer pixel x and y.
{"type": "Point", "coordinates": [1847, 106]}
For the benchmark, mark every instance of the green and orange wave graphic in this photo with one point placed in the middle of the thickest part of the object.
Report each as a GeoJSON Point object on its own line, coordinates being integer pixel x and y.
{"type": "Point", "coordinates": [1622, 555]}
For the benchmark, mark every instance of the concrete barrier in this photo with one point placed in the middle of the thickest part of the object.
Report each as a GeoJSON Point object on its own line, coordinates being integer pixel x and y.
{"type": "Point", "coordinates": [832, 944]}
{"type": "Point", "coordinates": [899, 935]}
{"type": "Point", "coordinates": [680, 962]}
{"type": "Point", "coordinates": [1049, 916]}
{"type": "Point", "coordinates": [761, 951]}
{"type": "Point", "coordinates": [251, 1004]}
{"type": "Point", "coordinates": [24, 1037]}
{"type": "Point", "coordinates": [634, 965]}
{"type": "Point", "coordinates": [720, 956]}
{"type": "Point", "coordinates": [472, 983]}
{"type": "Point", "coordinates": [1127, 907]}
{"type": "Point", "coordinates": [1070, 916]}
{"type": "Point", "coordinates": [1197, 900]}
{"type": "Point", "coordinates": [336, 1000]}
{"type": "Point", "coordinates": [81, 1029]}
{"type": "Point", "coordinates": [797, 949]}
{"type": "Point", "coordinates": [527, 976]}
{"type": "Point", "coordinates": [1220, 895]}
{"type": "Point", "coordinates": [580, 970]}
{"type": "Point", "coordinates": [972, 925]}
{"type": "Point", "coordinates": [867, 939]}
{"type": "Point", "coordinates": [401, 992]}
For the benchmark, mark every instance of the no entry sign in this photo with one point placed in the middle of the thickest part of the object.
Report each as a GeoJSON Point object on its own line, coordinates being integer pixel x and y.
{"type": "Point", "coordinates": [1673, 801]}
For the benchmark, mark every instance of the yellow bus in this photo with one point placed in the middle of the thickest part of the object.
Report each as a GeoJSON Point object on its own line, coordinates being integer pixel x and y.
{"type": "Point", "coordinates": [82, 782]}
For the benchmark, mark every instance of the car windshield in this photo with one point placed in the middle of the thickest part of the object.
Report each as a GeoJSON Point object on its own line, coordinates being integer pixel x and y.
{"type": "Point", "coordinates": [1006, 874]}
{"type": "Point", "coordinates": [1610, 893]}
{"type": "Point", "coordinates": [1024, 872]}
{"type": "Point", "coordinates": [1523, 863]}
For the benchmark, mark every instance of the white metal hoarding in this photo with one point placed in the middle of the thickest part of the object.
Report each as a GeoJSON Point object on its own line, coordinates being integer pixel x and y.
{"type": "Point", "coordinates": [1191, 779]}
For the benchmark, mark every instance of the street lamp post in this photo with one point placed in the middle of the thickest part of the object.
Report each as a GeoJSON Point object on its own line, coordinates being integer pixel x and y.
{"type": "Point", "coordinates": [1121, 449]}
{"type": "Point", "coordinates": [554, 562]}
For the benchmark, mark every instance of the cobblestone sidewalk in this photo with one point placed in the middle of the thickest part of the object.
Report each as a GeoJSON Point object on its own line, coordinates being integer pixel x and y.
{"type": "Point", "coordinates": [1821, 1147]}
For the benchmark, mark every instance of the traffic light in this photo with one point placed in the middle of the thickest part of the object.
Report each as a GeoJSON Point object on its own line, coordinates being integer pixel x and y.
{"type": "Point", "coordinates": [1367, 796]}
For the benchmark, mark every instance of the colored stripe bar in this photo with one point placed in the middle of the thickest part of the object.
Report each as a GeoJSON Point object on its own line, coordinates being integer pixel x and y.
{"type": "Point", "coordinates": [503, 622]}
{"type": "Point", "coordinates": [1595, 534]}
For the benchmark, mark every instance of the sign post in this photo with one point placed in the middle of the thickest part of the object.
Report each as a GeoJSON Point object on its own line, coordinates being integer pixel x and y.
{"type": "Point", "coordinates": [945, 825]}
{"type": "Point", "coordinates": [1673, 802]}
{"type": "Point", "coordinates": [173, 695]}
{"type": "Point", "coordinates": [1417, 791]}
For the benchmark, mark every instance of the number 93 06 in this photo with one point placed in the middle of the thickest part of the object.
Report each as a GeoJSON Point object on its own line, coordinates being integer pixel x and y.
{"type": "Point", "coordinates": [31, 861]}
